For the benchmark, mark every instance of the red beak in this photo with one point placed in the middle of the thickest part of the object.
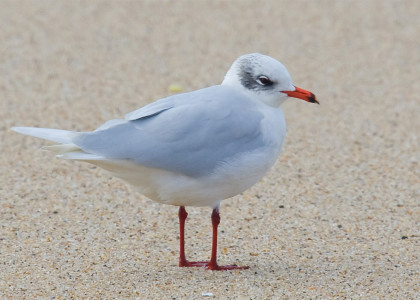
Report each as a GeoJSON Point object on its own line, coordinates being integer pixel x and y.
{"type": "Point", "coordinates": [302, 94]}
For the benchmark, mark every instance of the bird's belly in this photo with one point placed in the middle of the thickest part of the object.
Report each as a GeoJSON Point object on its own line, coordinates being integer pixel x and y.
{"type": "Point", "coordinates": [227, 180]}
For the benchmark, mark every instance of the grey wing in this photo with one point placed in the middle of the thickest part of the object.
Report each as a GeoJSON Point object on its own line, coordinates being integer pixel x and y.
{"type": "Point", "coordinates": [151, 109]}
{"type": "Point", "coordinates": [198, 133]}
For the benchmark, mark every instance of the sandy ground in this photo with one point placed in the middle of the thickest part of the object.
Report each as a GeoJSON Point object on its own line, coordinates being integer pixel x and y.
{"type": "Point", "coordinates": [338, 217]}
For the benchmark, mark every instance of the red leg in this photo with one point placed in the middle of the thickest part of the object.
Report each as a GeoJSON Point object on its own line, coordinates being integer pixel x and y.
{"type": "Point", "coordinates": [182, 214]}
{"type": "Point", "coordinates": [212, 265]}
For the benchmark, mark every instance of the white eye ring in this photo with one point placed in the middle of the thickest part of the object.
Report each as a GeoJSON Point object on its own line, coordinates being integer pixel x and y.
{"type": "Point", "coordinates": [264, 80]}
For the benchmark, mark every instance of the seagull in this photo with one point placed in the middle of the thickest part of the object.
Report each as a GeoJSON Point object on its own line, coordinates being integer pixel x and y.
{"type": "Point", "coordinates": [196, 148]}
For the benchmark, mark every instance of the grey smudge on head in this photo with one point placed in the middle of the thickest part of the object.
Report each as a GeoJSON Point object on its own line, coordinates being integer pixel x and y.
{"type": "Point", "coordinates": [248, 77]}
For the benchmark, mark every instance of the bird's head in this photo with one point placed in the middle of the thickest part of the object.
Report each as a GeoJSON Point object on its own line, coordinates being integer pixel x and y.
{"type": "Point", "coordinates": [264, 78]}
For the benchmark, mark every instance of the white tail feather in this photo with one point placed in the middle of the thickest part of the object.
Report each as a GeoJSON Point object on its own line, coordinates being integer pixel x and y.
{"type": "Point", "coordinates": [62, 148]}
{"type": "Point", "coordinates": [55, 135]}
{"type": "Point", "coordinates": [80, 155]}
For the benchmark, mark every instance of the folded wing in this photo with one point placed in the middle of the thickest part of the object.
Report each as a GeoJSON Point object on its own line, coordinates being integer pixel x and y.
{"type": "Point", "coordinates": [188, 133]}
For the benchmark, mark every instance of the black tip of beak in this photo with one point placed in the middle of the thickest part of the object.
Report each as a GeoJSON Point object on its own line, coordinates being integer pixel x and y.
{"type": "Point", "coordinates": [312, 99]}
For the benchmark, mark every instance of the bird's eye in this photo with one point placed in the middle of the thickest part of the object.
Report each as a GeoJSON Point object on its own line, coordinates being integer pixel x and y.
{"type": "Point", "coordinates": [264, 80]}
